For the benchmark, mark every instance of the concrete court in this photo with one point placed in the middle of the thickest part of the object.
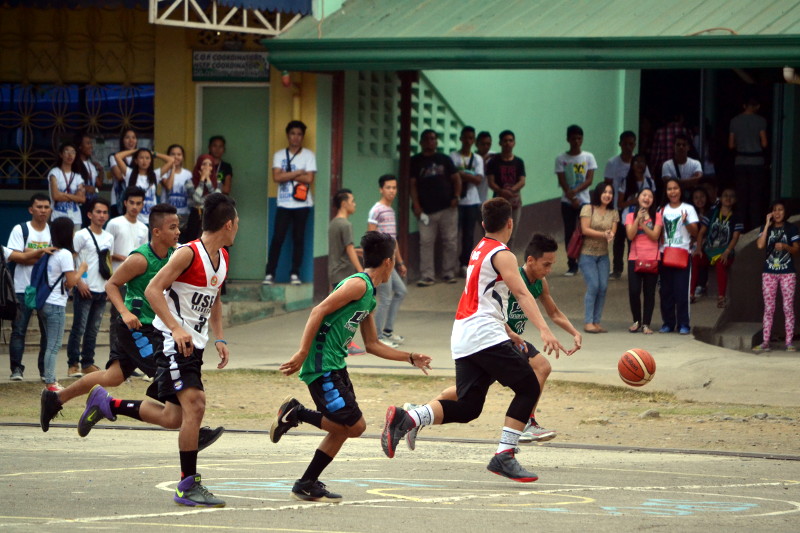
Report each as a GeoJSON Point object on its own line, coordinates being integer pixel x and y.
{"type": "Point", "coordinates": [123, 480]}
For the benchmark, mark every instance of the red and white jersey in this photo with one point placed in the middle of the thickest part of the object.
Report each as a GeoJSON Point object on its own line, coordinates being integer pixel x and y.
{"type": "Point", "coordinates": [192, 295]}
{"type": "Point", "coordinates": [481, 316]}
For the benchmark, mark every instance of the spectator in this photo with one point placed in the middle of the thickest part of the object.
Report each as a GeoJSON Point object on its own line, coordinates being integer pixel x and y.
{"type": "Point", "coordinates": [506, 177]}
{"type": "Point", "coordinates": [293, 169]}
{"type": "Point", "coordinates": [33, 235]}
{"type": "Point", "coordinates": [716, 243]}
{"type": "Point", "coordinates": [342, 258]}
{"type": "Point", "coordinates": [680, 226]}
{"type": "Point", "coordinates": [470, 169]}
{"type": "Point", "coordinates": [143, 174]}
{"type": "Point", "coordinates": [66, 185]}
{"type": "Point", "coordinates": [702, 206]}
{"type": "Point", "coordinates": [616, 174]}
{"type": "Point", "coordinates": [94, 175]}
{"type": "Point", "coordinates": [637, 179]}
{"type": "Point", "coordinates": [598, 224]}
{"type": "Point", "coordinates": [62, 276]}
{"type": "Point", "coordinates": [483, 146]}
{"type": "Point", "coordinates": [781, 240]}
{"type": "Point", "coordinates": [222, 169]}
{"type": "Point", "coordinates": [663, 148]}
{"type": "Point", "coordinates": [643, 228]}
{"type": "Point", "coordinates": [575, 171]}
{"type": "Point", "coordinates": [174, 185]}
{"type": "Point", "coordinates": [435, 191]}
{"type": "Point", "coordinates": [93, 246]}
{"type": "Point", "coordinates": [129, 233]}
{"type": "Point", "coordinates": [203, 183]}
{"type": "Point", "coordinates": [127, 141]}
{"type": "Point", "coordinates": [681, 166]}
{"type": "Point", "coordinates": [393, 291]}
{"type": "Point", "coordinates": [748, 137]}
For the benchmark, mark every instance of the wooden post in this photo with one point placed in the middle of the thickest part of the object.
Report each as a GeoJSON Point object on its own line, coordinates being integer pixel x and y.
{"type": "Point", "coordinates": [337, 136]}
{"type": "Point", "coordinates": [403, 190]}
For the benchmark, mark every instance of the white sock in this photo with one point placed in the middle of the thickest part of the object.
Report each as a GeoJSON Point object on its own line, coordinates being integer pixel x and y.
{"type": "Point", "coordinates": [509, 439]}
{"type": "Point", "coordinates": [422, 416]}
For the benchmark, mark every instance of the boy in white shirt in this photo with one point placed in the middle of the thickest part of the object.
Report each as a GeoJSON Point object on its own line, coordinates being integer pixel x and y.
{"type": "Point", "coordinates": [683, 167]}
{"type": "Point", "coordinates": [93, 246]}
{"type": "Point", "coordinates": [470, 167]}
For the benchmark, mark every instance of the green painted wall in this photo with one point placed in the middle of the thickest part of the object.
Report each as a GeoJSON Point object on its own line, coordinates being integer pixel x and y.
{"type": "Point", "coordinates": [538, 105]}
{"type": "Point", "coordinates": [241, 115]}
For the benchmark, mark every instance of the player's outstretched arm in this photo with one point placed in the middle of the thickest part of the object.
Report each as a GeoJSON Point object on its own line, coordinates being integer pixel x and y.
{"type": "Point", "coordinates": [154, 293]}
{"type": "Point", "coordinates": [371, 343]}
{"type": "Point", "coordinates": [559, 318]}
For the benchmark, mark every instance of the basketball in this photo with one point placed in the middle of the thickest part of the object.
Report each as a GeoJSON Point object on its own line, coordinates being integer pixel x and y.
{"type": "Point", "coordinates": [636, 367]}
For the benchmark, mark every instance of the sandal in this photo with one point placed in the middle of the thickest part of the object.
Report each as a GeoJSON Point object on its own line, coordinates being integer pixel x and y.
{"type": "Point", "coordinates": [722, 302]}
{"type": "Point", "coordinates": [635, 328]}
{"type": "Point", "coordinates": [646, 330]}
{"type": "Point", "coordinates": [590, 330]}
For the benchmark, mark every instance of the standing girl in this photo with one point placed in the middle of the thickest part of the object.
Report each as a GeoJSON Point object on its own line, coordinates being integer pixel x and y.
{"type": "Point", "coordinates": [680, 225]}
{"type": "Point", "coordinates": [127, 141]}
{"type": "Point", "coordinates": [203, 183]}
{"type": "Point", "coordinates": [781, 240]}
{"type": "Point", "coordinates": [62, 276]}
{"type": "Point", "coordinates": [66, 185]}
{"type": "Point", "coordinates": [643, 228]}
{"type": "Point", "coordinates": [598, 224]}
{"type": "Point", "coordinates": [702, 206]}
{"type": "Point", "coordinates": [174, 185]}
{"type": "Point", "coordinates": [142, 173]}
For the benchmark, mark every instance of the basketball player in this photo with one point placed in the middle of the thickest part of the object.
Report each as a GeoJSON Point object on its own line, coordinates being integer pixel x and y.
{"type": "Point", "coordinates": [329, 330]}
{"type": "Point", "coordinates": [136, 339]}
{"type": "Point", "coordinates": [192, 278]}
{"type": "Point", "coordinates": [482, 350]}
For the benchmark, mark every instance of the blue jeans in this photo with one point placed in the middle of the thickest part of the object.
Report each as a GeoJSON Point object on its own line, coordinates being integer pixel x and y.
{"type": "Point", "coordinates": [53, 317]}
{"type": "Point", "coordinates": [16, 346]}
{"type": "Point", "coordinates": [390, 295]}
{"type": "Point", "coordinates": [595, 273]}
{"type": "Point", "coordinates": [88, 313]}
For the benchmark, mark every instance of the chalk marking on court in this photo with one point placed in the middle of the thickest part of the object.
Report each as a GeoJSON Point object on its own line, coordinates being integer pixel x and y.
{"type": "Point", "coordinates": [465, 497]}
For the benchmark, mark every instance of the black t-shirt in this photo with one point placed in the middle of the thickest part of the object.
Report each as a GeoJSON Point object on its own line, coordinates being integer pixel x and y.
{"type": "Point", "coordinates": [506, 173]}
{"type": "Point", "coordinates": [224, 169]}
{"type": "Point", "coordinates": [434, 183]}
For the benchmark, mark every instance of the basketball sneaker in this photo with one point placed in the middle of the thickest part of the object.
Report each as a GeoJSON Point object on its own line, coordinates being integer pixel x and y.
{"type": "Point", "coordinates": [191, 492]}
{"type": "Point", "coordinates": [506, 465]}
{"type": "Point", "coordinates": [398, 423]}
{"type": "Point", "coordinates": [50, 407]}
{"type": "Point", "coordinates": [313, 491]}
{"type": "Point", "coordinates": [286, 419]}
{"type": "Point", "coordinates": [98, 406]}
{"type": "Point", "coordinates": [208, 436]}
{"type": "Point", "coordinates": [535, 432]}
{"type": "Point", "coordinates": [355, 349]}
{"type": "Point", "coordinates": [411, 436]}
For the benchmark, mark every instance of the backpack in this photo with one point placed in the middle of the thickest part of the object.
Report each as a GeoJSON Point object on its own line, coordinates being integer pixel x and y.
{"type": "Point", "coordinates": [39, 290]}
{"type": "Point", "coordinates": [8, 297]}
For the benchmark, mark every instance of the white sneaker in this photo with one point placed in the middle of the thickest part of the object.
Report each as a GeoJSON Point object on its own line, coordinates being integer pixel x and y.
{"type": "Point", "coordinates": [394, 337]}
{"type": "Point", "coordinates": [533, 432]}
{"type": "Point", "coordinates": [295, 280]}
{"type": "Point", "coordinates": [389, 343]}
{"type": "Point", "coordinates": [267, 280]}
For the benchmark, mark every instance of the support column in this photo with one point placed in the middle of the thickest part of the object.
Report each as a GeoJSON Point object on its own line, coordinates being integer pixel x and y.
{"type": "Point", "coordinates": [403, 189]}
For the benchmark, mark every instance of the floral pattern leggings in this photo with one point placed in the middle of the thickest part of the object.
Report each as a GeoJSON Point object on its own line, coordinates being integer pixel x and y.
{"type": "Point", "coordinates": [769, 288]}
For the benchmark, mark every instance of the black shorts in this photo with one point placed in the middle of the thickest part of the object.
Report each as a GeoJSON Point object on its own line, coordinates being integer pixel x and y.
{"type": "Point", "coordinates": [502, 362]}
{"type": "Point", "coordinates": [128, 352]}
{"type": "Point", "coordinates": [175, 371]}
{"type": "Point", "coordinates": [335, 398]}
{"type": "Point", "coordinates": [531, 353]}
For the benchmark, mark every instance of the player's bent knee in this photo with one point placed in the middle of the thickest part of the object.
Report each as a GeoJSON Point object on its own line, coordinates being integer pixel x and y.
{"type": "Point", "coordinates": [357, 429]}
{"type": "Point", "coordinates": [541, 366]}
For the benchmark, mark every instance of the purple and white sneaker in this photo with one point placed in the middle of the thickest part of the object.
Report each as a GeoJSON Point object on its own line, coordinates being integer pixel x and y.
{"type": "Point", "coordinates": [191, 492]}
{"type": "Point", "coordinates": [98, 406]}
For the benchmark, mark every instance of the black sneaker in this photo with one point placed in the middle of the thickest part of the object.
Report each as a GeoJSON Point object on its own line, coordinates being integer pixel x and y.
{"type": "Point", "coordinates": [50, 407]}
{"type": "Point", "coordinates": [398, 423]}
{"type": "Point", "coordinates": [313, 491]}
{"type": "Point", "coordinates": [191, 492]}
{"type": "Point", "coordinates": [286, 419]}
{"type": "Point", "coordinates": [208, 436]}
{"type": "Point", "coordinates": [505, 464]}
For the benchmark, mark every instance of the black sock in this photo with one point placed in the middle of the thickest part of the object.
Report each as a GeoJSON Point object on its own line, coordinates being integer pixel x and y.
{"type": "Point", "coordinates": [129, 408]}
{"type": "Point", "coordinates": [309, 416]}
{"type": "Point", "coordinates": [320, 461]}
{"type": "Point", "coordinates": [188, 463]}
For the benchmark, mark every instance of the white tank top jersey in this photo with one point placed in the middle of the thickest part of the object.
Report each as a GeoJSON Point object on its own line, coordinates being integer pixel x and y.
{"type": "Point", "coordinates": [481, 316]}
{"type": "Point", "coordinates": [193, 293]}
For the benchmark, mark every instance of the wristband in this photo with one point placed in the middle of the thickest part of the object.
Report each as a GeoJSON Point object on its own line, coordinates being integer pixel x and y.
{"type": "Point", "coordinates": [411, 358]}
{"type": "Point", "coordinates": [223, 341]}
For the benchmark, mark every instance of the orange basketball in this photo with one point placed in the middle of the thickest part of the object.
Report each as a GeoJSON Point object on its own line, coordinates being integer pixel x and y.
{"type": "Point", "coordinates": [636, 367]}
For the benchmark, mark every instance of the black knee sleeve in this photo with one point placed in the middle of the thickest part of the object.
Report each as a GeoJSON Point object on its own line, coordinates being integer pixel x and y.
{"type": "Point", "coordinates": [526, 394]}
{"type": "Point", "coordinates": [462, 411]}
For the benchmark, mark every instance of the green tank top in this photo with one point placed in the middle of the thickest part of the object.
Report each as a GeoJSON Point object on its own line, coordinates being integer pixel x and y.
{"type": "Point", "coordinates": [329, 347]}
{"type": "Point", "coordinates": [136, 286]}
{"type": "Point", "coordinates": [516, 316]}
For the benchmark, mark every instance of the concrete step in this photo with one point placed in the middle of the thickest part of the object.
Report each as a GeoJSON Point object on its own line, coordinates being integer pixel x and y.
{"type": "Point", "coordinates": [741, 336]}
{"type": "Point", "coordinates": [248, 301]}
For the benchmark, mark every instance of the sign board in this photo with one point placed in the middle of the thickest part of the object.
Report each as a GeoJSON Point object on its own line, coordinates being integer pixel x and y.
{"type": "Point", "coordinates": [230, 66]}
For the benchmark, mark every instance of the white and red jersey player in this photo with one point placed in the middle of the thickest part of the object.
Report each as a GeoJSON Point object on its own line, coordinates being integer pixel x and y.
{"type": "Point", "coordinates": [192, 295]}
{"type": "Point", "coordinates": [481, 315]}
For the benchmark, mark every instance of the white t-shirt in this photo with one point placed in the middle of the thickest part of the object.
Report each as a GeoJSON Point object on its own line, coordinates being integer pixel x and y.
{"type": "Point", "coordinates": [7, 253]}
{"type": "Point", "coordinates": [303, 160]}
{"type": "Point", "coordinates": [687, 169]}
{"type": "Point", "coordinates": [575, 168]}
{"type": "Point", "coordinates": [67, 183]}
{"type": "Point", "coordinates": [150, 195]}
{"type": "Point", "coordinates": [177, 195]}
{"type": "Point", "coordinates": [617, 170]}
{"type": "Point", "coordinates": [61, 261]}
{"type": "Point", "coordinates": [127, 237]}
{"type": "Point", "coordinates": [84, 246]}
{"type": "Point", "coordinates": [675, 234]}
{"type": "Point", "coordinates": [36, 239]}
{"type": "Point", "coordinates": [472, 197]}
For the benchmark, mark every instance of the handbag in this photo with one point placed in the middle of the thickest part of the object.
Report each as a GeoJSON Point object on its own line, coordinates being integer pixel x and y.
{"type": "Point", "coordinates": [646, 266]}
{"type": "Point", "coordinates": [576, 241]}
{"type": "Point", "coordinates": [103, 259]}
{"type": "Point", "coordinates": [675, 257]}
{"type": "Point", "coordinates": [300, 192]}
